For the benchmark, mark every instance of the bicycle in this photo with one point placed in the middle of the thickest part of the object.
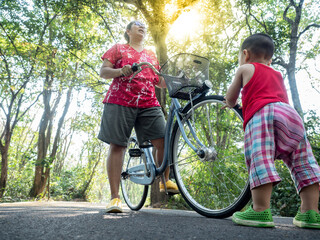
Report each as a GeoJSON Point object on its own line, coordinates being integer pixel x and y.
{"type": "Point", "coordinates": [203, 144]}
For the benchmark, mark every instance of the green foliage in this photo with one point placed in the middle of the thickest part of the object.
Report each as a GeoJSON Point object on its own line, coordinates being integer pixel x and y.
{"type": "Point", "coordinates": [312, 126]}
{"type": "Point", "coordinates": [19, 180]}
{"type": "Point", "coordinates": [68, 185]}
{"type": "Point", "coordinates": [284, 201]}
{"type": "Point", "coordinates": [177, 202]}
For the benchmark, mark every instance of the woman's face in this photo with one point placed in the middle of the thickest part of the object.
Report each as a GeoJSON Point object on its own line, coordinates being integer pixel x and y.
{"type": "Point", "coordinates": [138, 30]}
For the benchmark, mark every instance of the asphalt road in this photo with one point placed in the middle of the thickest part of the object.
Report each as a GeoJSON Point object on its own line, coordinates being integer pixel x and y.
{"type": "Point", "coordinates": [78, 220]}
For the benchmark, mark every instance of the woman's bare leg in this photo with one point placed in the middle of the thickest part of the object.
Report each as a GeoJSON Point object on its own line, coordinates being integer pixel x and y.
{"type": "Point", "coordinates": [159, 146]}
{"type": "Point", "coordinates": [114, 167]}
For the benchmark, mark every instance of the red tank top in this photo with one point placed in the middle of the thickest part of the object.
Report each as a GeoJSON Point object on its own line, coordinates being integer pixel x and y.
{"type": "Point", "coordinates": [265, 86]}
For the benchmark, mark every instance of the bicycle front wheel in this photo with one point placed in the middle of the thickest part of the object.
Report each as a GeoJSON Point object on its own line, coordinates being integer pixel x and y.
{"type": "Point", "coordinates": [213, 186]}
{"type": "Point", "coordinates": [134, 194]}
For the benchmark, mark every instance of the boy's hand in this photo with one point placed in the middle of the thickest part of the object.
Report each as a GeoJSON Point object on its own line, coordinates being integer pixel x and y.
{"type": "Point", "coordinates": [227, 105]}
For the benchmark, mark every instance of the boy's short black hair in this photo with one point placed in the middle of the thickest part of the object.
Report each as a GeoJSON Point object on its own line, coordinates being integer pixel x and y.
{"type": "Point", "coordinates": [259, 44]}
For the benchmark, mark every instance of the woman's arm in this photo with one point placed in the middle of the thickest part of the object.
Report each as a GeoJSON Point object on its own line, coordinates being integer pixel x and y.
{"type": "Point", "coordinates": [161, 83]}
{"type": "Point", "coordinates": [107, 71]}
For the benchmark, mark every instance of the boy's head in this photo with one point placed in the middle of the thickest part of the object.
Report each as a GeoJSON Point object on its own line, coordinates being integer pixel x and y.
{"type": "Point", "coordinates": [260, 47]}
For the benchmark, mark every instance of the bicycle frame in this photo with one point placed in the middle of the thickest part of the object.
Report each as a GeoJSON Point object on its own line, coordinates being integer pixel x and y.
{"type": "Point", "coordinates": [174, 113]}
{"type": "Point", "coordinates": [213, 183]}
{"type": "Point", "coordinates": [146, 173]}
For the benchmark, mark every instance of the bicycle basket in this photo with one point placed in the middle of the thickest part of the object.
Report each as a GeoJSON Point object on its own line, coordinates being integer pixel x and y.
{"type": "Point", "coordinates": [184, 73]}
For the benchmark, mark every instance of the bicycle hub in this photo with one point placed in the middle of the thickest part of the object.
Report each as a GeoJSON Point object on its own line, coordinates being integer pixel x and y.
{"type": "Point", "coordinates": [207, 154]}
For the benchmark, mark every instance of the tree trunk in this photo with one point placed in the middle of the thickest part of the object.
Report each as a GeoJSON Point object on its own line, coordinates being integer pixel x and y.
{"type": "Point", "coordinates": [159, 25]}
{"type": "Point", "coordinates": [45, 129]}
{"type": "Point", "coordinates": [294, 90]}
{"type": "Point", "coordinates": [43, 164]}
{"type": "Point", "coordinates": [294, 38]}
{"type": "Point", "coordinates": [159, 36]}
{"type": "Point", "coordinates": [87, 184]}
{"type": "Point", "coordinates": [4, 149]}
{"type": "Point", "coordinates": [4, 169]}
{"type": "Point", "coordinates": [161, 50]}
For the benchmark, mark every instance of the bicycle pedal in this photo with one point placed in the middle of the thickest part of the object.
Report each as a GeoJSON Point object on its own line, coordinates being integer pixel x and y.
{"type": "Point", "coordinates": [135, 152]}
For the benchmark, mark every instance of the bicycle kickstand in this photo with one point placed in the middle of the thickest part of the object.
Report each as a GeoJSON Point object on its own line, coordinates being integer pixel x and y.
{"type": "Point", "coordinates": [164, 183]}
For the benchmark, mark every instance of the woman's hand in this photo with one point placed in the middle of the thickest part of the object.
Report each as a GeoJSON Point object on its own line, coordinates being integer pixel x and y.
{"type": "Point", "coordinates": [126, 71]}
{"type": "Point", "coordinates": [161, 83]}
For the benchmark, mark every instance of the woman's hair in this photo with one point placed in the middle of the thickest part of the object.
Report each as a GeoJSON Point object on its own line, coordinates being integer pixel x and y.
{"type": "Point", "coordinates": [260, 44]}
{"type": "Point", "coordinates": [126, 36]}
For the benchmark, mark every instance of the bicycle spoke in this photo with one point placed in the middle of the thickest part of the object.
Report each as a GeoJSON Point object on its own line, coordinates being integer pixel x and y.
{"type": "Point", "coordinates": [134, 194]}
{"type": "Point", "coordinates": [213, 187]}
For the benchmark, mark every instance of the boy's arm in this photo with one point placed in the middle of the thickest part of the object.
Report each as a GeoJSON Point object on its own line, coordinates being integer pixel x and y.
{"type": "Point", "coordinates": [241, 78]}
{"type": "Point", "coordinates": [234, 89]}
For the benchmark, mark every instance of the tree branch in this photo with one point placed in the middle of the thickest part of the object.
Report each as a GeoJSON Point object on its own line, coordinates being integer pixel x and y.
{"type": "Point", "coordinates": [28, 108]}
{"type": "Point", "coordinates": [280, 61]}
{"type": "Point", "coordinates": [257, 20]}
{"type": "Point", "coordinates": [290, 21]}
{"type": "Point", "coordinates": [308, 27]}
{"type": "Point", "coordinates": [105, 22]}
{"type": "Point", "coordinates": [142, 8]}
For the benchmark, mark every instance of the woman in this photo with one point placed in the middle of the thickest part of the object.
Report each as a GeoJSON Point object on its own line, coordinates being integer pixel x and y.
{"type": "Point", "coordinates": [131, 104]}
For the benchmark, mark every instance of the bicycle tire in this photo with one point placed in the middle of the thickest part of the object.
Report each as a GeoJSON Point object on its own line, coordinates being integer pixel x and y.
{"type": "Point", "coordinates": [213, 188]}
{"type": "Point", "coordinates": [134, 194]}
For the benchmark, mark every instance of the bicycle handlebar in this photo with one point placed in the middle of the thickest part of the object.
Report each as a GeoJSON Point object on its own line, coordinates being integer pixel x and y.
{"type": "Point", "coordinates": [136, 67]}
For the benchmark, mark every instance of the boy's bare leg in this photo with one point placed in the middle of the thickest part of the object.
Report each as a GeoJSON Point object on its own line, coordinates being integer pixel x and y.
{"type": "Point", "coordinates": [261, 197]}
{"type": "Point", "coordinates": [309, 198]}
{"type": "Point", "coordinates": [114, 167]}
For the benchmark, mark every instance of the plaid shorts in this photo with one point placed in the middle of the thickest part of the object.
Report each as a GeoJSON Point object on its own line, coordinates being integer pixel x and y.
{"type": "Point", "coordinates": [276, 132]}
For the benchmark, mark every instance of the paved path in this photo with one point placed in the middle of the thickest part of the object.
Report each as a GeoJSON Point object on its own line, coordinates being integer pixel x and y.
{"type": "Point", "coordinates": [78, 220]}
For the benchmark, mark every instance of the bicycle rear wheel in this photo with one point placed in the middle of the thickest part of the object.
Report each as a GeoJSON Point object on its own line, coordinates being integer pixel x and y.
{"type": "Point", "coordinates": [134, 194]}
{"type": "Point", "coordinates": [212, 187]}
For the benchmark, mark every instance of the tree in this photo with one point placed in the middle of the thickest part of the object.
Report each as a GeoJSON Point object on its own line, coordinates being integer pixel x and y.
{"type": "Point", "coordinates": [61, 72]}
{"type": "Point", "coordinates": [19, 55]}
{"type": "Point", "coordinates": [41, 42]}
{"type": "Point", "coordinates": [287, 22]}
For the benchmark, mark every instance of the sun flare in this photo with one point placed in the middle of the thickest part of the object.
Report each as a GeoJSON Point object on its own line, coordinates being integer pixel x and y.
{"type": "Point", "coordinates": [186, 26]}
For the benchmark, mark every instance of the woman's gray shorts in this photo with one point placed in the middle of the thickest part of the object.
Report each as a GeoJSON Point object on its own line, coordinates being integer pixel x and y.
{"type": "Point", "coordinates": [118, 121]}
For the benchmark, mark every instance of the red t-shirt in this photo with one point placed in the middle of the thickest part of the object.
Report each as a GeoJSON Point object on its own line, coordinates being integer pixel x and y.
{"type": "Point", "coordinates": [265, 86]}
{"type": "Point", "coordinates": [140, 92]}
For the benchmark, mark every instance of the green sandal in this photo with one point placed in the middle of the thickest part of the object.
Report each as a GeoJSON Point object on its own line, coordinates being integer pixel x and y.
{"type": "Point", "coordinates": [254, 219]}
{"type": "Point", "coordinates": [309, 219]}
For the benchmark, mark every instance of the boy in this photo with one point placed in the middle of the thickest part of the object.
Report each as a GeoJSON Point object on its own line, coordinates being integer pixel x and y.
{"type": "Point", "coordinates": [273, 130]}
